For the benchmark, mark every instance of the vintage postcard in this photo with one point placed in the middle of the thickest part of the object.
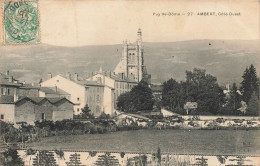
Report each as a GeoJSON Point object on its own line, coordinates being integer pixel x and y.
{"type": "Point", "coordinates": [129, 83]}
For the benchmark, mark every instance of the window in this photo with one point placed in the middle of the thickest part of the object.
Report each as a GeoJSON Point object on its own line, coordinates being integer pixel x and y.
{"type": "Point", "coordinates": [2, 91]}
{"type": "Point", "coordinates": [43, 116]}
{"type": "Point", "coordinates": [129, 53]}
{"type": "Point", "coordinates": [98, 98]}
{"type": "Point", "coordinates": [78, 99]}
{"type": "Point", "coordinates": [57, 80]}
{"type": "Point", "coordinates": [97, 89]}
{"type": "Point", "coordinates": [2, 116]}
{"type": "Point", "coordinates": [133, 53]}
{"type": "Point", "coordinates": [8, 91]}
{"type": "Point", "coordinates": [78, 109]}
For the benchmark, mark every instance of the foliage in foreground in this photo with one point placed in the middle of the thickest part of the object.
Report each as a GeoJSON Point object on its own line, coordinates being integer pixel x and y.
{"type": "Point", "coordinates": [11, 158]}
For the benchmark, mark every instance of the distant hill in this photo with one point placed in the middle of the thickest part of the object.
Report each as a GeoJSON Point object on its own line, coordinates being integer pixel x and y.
{"type": "Point", "coordinates": [224, 59]}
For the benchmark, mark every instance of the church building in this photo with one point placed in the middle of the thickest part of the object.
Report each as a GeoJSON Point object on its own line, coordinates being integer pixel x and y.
{"type": "Point", "coordinates": [131, 64]}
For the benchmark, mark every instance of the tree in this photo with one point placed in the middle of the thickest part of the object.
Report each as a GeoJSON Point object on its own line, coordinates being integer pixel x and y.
{"type": "Point", "coordinates": [86, 113]}
{"type": "Point", "coordinates": [8, 132]}
{"type": "Point", "coordinates": [44, 158]}
{"type": "Point", "coordinates": [11, 157]}
{"type": "Point", "coordinates": [234, 101]}
{"type": "Point", "coordinates": [140, 98]}
{"type": "Point", "coordinates": [74, 160]}
{"type": "Point", "coordinates": [222, 159]}
{"type": "Point", "coordinates": [253, 105]}
{"type": "Point", "coordinates": [107, 160]}
{"type": "Point", "coordinates": [122, 154]}
{"type": "Point", "coordinates": [203, 89]}
{"type": "Point", "coordinates": [249, 84]}
{"type": "Point", "coordinates": [201, 161]}
{"type": "Point", "coordinates": [171, 94]}
{"type": "Point", "coordinates": [124, 102]}
{"type": "Point", "coordinates": [59, 153]}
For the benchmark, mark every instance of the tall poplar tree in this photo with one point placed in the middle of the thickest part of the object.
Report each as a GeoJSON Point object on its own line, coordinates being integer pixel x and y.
{"type": "Point", "coordinates": [253, 105]}
{"type": "Point", "coordinates": [249, 84]}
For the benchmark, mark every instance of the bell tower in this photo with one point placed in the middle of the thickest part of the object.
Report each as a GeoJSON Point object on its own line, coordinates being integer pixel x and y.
{"type": "Point", "coordinates": [132, 61]}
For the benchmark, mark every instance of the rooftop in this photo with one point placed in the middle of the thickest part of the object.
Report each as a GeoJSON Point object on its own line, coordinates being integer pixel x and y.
{"type": "Point", "coordinates": [8, 80]}
{"type": "Point", "coordinates": [36, 100]}
{"type": "Point", "coordinates": [83, 82]}
{"type": "Point", "coordinates": [30, 86]}
{"type": "Point", "coordinates": [6, 99]}
{"type": "Point", "coordinates": [53, 90]}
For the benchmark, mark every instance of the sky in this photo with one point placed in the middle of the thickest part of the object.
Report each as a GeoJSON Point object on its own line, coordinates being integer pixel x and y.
{"type": "Point", "coordinates": [107, 22]}
{"type": "Point", "coordinates": [82, 22]}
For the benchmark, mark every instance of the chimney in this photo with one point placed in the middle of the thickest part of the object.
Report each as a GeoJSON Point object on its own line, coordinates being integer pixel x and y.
{"type": "Point", "coordinates": [49, 76]}
{"type": "Point", "coordinates": [7, 72]}
{"type": "Point", "coordinates": [10, 78]}
{"type": "Point", "coordinates": [68, 75]}
{"type": "Point", "coordinates": [15, 95]}
{"type": "Point", "coordinates": [76, 77]}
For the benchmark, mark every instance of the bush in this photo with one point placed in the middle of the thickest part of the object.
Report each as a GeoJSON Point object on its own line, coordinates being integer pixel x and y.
{"type": "Point", "coordinates": [220, 120]}
{"type": "Point", "coordinates": [92, 153]}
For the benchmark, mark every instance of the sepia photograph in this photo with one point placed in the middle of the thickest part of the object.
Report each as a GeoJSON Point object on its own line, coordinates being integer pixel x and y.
{"type": "Point", "coordinates": [129, 83]}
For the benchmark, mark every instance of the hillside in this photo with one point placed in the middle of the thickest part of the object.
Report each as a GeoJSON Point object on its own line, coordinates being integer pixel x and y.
{"type": "Point", "coordinates": [224, 59]}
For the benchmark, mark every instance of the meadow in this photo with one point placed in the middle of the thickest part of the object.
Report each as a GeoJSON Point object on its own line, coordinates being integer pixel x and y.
{"type": "Point", "coordinates": [207, 142]}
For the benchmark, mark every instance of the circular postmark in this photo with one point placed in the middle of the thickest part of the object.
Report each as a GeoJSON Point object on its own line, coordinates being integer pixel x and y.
{"type": "Point", "coordinates": [21, 21]}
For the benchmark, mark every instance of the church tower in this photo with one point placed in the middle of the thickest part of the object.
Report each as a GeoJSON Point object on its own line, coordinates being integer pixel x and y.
{"type": "Point", "coordinates": [132, 61]}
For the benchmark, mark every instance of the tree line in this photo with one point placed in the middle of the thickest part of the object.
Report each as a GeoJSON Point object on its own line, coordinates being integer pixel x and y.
{"type": "Point", "coordinates": [204, 89]}
{"type": "Point", "coordinates": [200, 88]}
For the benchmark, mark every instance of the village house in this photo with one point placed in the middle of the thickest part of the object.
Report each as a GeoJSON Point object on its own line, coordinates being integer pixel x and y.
{"type": "Point", "coordinates": [81, 92]}
{"type": "Point", "coordinates": [53, 92]}
{"type": "Point", "coordinates": [8, 85]}
{"type": "Point", "coordinates": [31, 90]}
{"type": "Point", "coordinates": [31, 109]}
{"type": "Point", "coordinates": [114, 85]}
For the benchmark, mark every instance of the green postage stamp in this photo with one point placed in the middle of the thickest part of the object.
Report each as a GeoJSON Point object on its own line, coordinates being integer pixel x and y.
{"type": "Point", "coordinates": [21, 22]}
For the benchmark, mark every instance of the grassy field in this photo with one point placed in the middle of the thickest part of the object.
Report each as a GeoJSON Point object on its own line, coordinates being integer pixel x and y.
{"type": "Point", "coordinates": [210, 142]}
